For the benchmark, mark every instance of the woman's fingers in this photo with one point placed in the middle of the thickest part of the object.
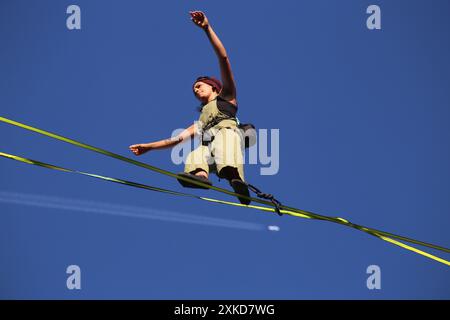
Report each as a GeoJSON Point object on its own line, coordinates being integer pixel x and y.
{"type": "Point", "coordinates": [196, 19]}
{"type": "Point", "coordinates": [135, 147]}
{"type": "Point", "coordinates": [197, 15]}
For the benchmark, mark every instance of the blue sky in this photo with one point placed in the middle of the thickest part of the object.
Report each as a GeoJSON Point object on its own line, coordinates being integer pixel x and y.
{"type": "Point", "coordinates": [363, 119]}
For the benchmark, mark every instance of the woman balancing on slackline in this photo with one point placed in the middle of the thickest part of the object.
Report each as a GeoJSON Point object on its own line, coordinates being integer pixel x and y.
{"type": "Point", "coordinates": [221, 139]}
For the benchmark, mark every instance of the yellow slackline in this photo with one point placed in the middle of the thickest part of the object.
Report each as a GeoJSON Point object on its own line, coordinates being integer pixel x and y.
{"type": "Point", "coordinates": [142, 186]}
{"type": "Point", "coordinates": [147, 166]}
{"type": "Point", "coordinates": [285, 209]}
{"type": "Point", "coordinates": [405, 246]}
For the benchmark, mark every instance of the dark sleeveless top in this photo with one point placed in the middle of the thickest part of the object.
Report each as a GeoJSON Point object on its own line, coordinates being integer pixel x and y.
{"type": "Point", "coordinates": [218, 113]}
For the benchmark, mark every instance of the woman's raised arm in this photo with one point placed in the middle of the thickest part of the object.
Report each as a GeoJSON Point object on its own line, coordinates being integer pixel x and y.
{"type": "Point", "coordinates": [229, 87]}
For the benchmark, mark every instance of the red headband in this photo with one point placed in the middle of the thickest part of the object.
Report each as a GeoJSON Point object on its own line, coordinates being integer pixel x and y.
{"type": "Point", "coordinates": [213, 82]}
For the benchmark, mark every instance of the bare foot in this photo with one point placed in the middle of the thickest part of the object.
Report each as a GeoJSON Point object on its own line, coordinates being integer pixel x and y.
{"type": "Point", "coordinates": [202, 174]}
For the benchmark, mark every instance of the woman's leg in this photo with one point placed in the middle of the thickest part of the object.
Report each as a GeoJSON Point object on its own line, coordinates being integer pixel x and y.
{"type": "Point", "coordinates": [196, 168]}
{"type": "Point", "coordinates": [229, 173]}
{"type": "Point", "coordinates": [197, 162]}
{"type": "Point", "coordinates": [228, 153]}
{"type": "Point", "coordinates": [229, 158]}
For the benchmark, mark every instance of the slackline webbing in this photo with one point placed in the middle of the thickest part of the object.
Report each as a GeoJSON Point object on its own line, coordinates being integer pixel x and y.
{"type": "Point", "coordinates": [288, 210]}
{"type": "Point", "coordinates": [143, 186]}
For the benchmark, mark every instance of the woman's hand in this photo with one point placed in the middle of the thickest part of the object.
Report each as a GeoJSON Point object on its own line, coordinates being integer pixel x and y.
{"type": "Point", "coordinates": [139, 149]}
{"type": "Point", "coordinates": [199, 18]}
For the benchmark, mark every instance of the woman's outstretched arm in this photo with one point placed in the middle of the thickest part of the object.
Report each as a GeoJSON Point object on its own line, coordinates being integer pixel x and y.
{"type": "Point", "coordinates": [229, 87]}
{"type": "Point", "coordinates": [142, 148]}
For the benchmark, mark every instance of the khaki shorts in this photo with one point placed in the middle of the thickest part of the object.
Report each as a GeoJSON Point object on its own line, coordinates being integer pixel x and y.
{"type": "Point", "coordinates": [226, 150]}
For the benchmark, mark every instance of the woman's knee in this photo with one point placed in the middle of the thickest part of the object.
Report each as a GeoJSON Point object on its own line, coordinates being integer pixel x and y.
{"type": "Point", "coordinates": [229, 173]}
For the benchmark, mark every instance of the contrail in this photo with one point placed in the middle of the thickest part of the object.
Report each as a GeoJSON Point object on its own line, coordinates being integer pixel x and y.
{"type": "Point", "coordinates": [122, 210]}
